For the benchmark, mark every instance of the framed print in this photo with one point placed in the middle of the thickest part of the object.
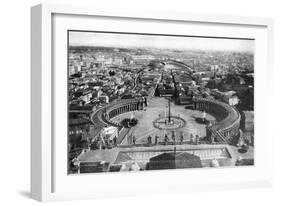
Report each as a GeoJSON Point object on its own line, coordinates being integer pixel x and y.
{"type": "Point", "coordinates": [137, 103]}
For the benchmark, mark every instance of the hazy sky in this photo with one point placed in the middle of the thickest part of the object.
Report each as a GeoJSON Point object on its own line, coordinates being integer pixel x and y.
{"type": "Point", "coordinates": [154, 41]}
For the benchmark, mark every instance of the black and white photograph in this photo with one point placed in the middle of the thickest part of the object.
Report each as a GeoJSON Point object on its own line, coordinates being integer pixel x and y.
{"type": "Point", "coordinates": [140, 102]}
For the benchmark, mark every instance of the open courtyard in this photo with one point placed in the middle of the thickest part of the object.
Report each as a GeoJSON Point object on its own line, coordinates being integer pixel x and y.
{"type": "Point", "coordinates": [158, 108]}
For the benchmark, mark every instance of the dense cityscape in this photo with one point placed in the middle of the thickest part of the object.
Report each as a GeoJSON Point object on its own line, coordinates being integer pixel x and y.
{"type": "Point", "coordinates": [111, 89]}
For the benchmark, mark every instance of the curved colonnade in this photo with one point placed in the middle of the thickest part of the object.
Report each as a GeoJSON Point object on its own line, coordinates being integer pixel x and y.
{"type": "Point", "coordinates": [226, 129]}
{"type": "Point", "coordinates": [102, 117]}
{"type": "Point", "coordinates": [223, 131]}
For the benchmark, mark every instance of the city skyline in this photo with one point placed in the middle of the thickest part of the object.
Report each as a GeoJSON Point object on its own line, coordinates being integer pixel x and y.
{"type": "Point", "coordinates": [122, 40]}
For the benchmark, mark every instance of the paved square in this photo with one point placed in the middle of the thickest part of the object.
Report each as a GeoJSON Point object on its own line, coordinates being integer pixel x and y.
{"type": "Point", "coordinates": [158, 106]}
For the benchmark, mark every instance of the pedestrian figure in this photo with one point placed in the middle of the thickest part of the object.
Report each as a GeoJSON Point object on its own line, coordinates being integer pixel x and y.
{"type": "Point", "coordinates": [156, 139]}
{"type": "Point", "coordinates": [173, 137]}
{"type": "Point", "coordinates": [192, 139]}
{"type": "Point", "coordinates": [166, 139]}
{"type": "Point", "coordinates": [145, 101]}
{"type": "Point", "coordinates": [149, 139]}
{"type": "Point", "coordinates": [134, 140]}
{"type": "Point", "coordinates": [181, 138]}
{"type": "Point", "coordinates": [197, 139]}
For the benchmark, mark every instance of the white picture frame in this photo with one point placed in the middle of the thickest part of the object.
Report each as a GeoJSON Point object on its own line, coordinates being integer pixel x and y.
{"type": "Point", "coordinates": [46, 183]}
